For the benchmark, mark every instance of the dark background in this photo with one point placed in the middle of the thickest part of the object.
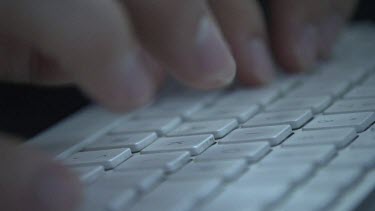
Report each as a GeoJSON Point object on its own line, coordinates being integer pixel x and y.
{"type": "Point", "coordinates": [26, 110]}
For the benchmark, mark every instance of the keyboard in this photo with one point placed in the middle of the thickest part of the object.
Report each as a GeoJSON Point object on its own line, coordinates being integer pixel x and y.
{"type": "Point", "coordinates": [305, 142]}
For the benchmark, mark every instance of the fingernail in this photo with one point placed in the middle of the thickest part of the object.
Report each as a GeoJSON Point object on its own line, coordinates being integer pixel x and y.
{"type": "Point", "coordinates": [262, 66]}
{"type": "Point", "coordinates": [306, 47]}
{"type": "Point", "coordinates": [57, 190]}
{"type": "Point", "coordinates": [329, 29]}
{"type": "Point", "coordinates": [214, 55]}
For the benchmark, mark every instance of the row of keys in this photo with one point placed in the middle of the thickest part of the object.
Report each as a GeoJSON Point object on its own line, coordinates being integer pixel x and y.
{"type": "Point", "coordinates": [251, 152]}
{"type": "Point", "coordinates": [197, 144]}
{"type": "Point", "coordinates": [219, 128]}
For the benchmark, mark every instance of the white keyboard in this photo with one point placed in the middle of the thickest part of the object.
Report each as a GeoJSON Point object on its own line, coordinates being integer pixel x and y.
{"type": "Point", "coordinates": [304, 143]}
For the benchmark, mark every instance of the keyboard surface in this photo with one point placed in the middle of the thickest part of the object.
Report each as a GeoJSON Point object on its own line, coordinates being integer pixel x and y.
{"type": "Point", "coordinates": [305, 142]}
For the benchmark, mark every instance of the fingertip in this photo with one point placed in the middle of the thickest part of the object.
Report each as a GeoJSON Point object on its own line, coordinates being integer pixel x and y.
{"type": "Point", "coordinates": [257, 66]}
{"type": "Point", "coordinates": [306, 48]}
{"type": "Point", "coordinates": [208, 64]}
{"type": "Point", "coordinates": [329, 31]}
{"type": "Point", "coordinates": [296, 47]}
{"type": "Point", "coordinates": [215, 60]}
{"type": "Point", "coordinates": [295, 34]}
{"type": "Point", "coordinates": [124, 84]}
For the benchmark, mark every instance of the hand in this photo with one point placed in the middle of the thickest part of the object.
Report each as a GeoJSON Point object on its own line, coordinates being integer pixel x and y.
{"type": "Point", "coordinates": [116, 52]}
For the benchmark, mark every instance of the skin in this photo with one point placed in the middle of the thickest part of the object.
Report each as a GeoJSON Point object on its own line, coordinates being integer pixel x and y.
{"type": "Point", "coordinates": [116, 51]}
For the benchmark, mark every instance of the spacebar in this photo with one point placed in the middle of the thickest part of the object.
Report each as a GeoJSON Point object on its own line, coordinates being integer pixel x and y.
{"type": "Point", "coordinates": [73, 133]}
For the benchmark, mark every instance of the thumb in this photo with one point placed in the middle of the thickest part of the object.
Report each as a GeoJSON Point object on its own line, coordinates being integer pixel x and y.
{"type": "Point", "coordinates": [32, 181]}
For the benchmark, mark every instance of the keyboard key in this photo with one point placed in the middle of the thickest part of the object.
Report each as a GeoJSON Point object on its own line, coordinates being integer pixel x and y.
{"type": "Point", "coordinates": [170, 108]}
{"type": "Point", "coordinates": [141, 180]}
{"type": "Point", "coordinates": [250, 97]}
{"type": "Point", "coordinates": [361, 92]}
{"type": "Point", "coordinates": [226, 170]}
{"type": "Point", "coordinates": [315, 104]}
{"type": "Point", "coordinates": [181, 93]}
{"type": "Point", "coordinates": [257, 183]}
{"type": "Point", "coordinates": [276, 175]}
{"type": "Point", "coordinates": [247, 198]}
{"type": "Point", "coordinates": [177, 195]}
{"type": "Point", "coordinates": [272, 134]}
{"type": "Point", "coordinates": [336, 72]}
{"type": "Point", "coordinates": [286, 83]}
{"type": "Point", "coordinates": [241, 113]}
{"type": "Point", "coordinates": [169, 162]}
{"type": "Point", "coordinates": [365, 139]}
{"type": "Point", "coordinates": [88, 174]}
{"type": "Point", "coordinates": [359, 121]}
{"type": "Point", "coordinates": [121, 201]}
{"type": "Point", "coordinates": [112, 198]}
{"type": "Point", "coordinates": [135, 141]}
{"type": "Point", "coordinates": [319, 155]}
{"type": "Point", "coordinates": [218, 128]}
{"type": "Point", "coordinates": [295, 119]}
{"type": "Point", "coordinates": [340, 137]}
{"type": "Point", "coordinates": [361, 157]}
{"type": "Point", "coordinates": [314, 89]}
{"type": "Point", "coordinates": [194, 144]}
{"type": "Point", "coordinates": [161, 126]}
{"type": "Point", "coordinates": [109, 159]}
{"type": "Point", "coordinates": [249, 151]}
{"type": "Point", "coordinates": [352, 106]}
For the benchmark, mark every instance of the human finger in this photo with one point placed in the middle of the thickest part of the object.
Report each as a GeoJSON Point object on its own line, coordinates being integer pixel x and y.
{"type": "Point", "coordinates": [243, 25]}
{"type": "Point", "coordinates": [186, 39]}
{"type": "Point", "coordinates": [32, 181]}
